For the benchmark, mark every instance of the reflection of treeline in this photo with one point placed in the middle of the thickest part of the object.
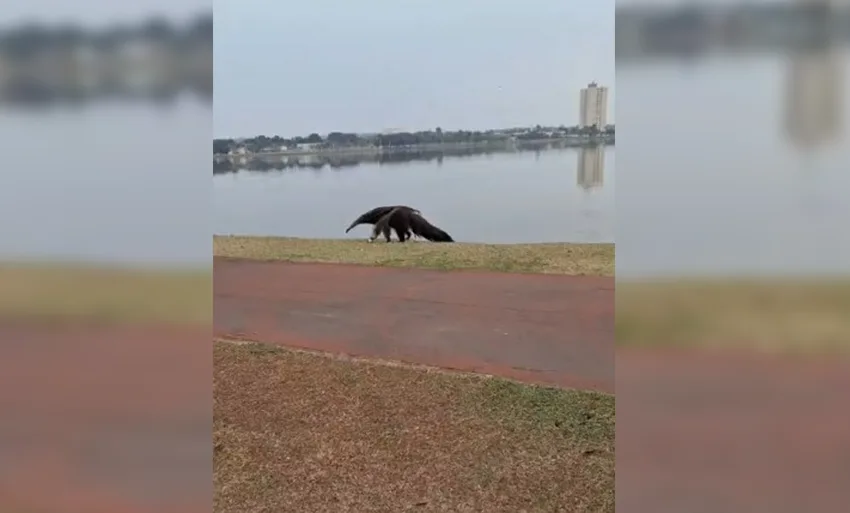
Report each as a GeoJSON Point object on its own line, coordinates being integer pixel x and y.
{"type": "Point", "coordinates": [340, 141]}
{"type": "Point", "coordinates": [153, 59]}
{"type": "Point", "coordinates": [223, 165]}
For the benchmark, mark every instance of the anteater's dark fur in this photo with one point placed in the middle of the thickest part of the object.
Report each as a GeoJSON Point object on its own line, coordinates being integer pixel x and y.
{"type": "Point", "coordinates": [404, 221]}
{"type": "Point", "coordinates": [375, 215]}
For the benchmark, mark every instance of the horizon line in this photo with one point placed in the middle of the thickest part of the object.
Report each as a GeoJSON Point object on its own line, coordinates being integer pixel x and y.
{"type": "Point", "coordinates": [384, 132]}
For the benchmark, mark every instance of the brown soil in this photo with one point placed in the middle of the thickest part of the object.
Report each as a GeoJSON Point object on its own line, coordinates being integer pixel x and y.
{"type": "Point", "coordinates": [304, 432]}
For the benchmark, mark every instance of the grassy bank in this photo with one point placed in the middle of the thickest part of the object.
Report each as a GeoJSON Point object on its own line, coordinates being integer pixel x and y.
{"type": "Point", "coordinates": [92, 292]}
{"type": "Point", "coordinates": [308, 432]}
{"type": "Point", "coordinates": [778, 315]}
{"type": "Point", "coordinates": [572, 259]}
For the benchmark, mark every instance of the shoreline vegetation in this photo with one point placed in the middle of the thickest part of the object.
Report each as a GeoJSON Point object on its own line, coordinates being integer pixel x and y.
{"type": "Point", "coordinates": [89, 61]}
{"type": "Point", "coordinates": [543, 258]}
{"type": "Point", "coordinates": [347, 157]}
{"type": "Point", "coordinates": [339, 143]}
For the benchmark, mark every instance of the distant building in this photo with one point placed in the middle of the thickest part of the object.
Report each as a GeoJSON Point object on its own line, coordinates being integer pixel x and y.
{"type": "Point", "coordinates": [593, 107]}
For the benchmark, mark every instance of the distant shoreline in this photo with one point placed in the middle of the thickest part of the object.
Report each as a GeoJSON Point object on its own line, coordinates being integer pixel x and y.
{"type": "Point", "coordinates": [340, 158]}
{"type": "Point", "coordinates": [561, 142]}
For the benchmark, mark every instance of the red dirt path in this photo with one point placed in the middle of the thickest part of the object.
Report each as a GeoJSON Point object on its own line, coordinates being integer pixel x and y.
{"type": "Point", "coordinates": [105, 418]}
{"type": "Point", "coordinates": [555, 330]}
{"type": "Point", "coordinates": [710, 431]}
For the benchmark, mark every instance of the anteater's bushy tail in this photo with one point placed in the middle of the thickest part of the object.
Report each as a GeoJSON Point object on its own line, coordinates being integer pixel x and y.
{"type": "Point", "coordinates": [421, 227]}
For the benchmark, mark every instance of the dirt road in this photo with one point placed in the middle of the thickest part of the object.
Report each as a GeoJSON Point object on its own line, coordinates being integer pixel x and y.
{"type": "Point", "coordinates": [556, 330]}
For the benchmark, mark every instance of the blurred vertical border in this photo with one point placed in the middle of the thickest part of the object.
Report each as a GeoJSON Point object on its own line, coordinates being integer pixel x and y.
{"type": "Point", "coordinates": [105, 356]}
{"type": "Point", "coordinates": [731, 384]}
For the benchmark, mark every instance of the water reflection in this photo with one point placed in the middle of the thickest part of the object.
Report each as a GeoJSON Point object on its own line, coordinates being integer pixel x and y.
{"type": "Point", "coordinates": [342, 160]}
{"type": "Point", "coordinates": [815, 94]}
{"type": "Point", "coordinates": [591, 167]}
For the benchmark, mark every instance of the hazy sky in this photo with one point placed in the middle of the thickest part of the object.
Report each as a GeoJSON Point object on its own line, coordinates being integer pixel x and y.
{"type": "Point", "coordinates": [291, 68]}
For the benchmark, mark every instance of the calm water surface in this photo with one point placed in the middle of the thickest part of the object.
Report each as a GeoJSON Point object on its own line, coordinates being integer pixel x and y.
{"type": "Point", "coordinates": [80, 184]}
{"type": "Point", "coordinates": [710, 182]}
{"type": "Point", "coordinates": [559, 195]}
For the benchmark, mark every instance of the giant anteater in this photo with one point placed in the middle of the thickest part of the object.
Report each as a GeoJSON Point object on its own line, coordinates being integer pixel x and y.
{"type": "Point", "coordinates": [405, 220]}
{"type": "Point", "coordinates": [375, 215]}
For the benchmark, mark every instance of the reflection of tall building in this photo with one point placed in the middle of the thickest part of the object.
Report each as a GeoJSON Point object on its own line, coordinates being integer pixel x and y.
{"type": "Point", "coordinates": [814, 94]}
{"type": "Point", "coordinates": [591, 167]}
{"type": "Point", "coordinates": [593, 106]}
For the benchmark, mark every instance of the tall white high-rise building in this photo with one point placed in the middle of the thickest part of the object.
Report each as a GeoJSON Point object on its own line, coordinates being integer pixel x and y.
{"type": "Point", "coordinates": [593, 108]}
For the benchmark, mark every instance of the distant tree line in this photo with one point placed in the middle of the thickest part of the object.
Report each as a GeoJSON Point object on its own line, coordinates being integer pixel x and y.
{"type": "Point", "coordinates": [67, 63]}
{"type": "Point", "coordinates": [340, 140]}
{"type": "Point", "coordinates": [29, 39]}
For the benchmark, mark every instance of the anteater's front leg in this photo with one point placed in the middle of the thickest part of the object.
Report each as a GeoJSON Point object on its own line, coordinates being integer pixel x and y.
{"type": "Point", "coordinates": [375, 232]}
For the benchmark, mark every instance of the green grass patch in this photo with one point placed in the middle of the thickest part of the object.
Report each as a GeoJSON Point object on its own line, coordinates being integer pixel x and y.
{"type": "Point", "coordinates": [586, 417]}
{"type": "Point", "coordinates": [560, 258]}
{"type": "Point", "coordinates": [779, 315]}
{"type": "Point", "coordinates": [105, 294]}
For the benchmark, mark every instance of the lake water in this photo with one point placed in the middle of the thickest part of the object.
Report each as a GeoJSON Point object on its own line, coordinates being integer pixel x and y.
{"type": "Point", "coordinates": [711, 182]}
{"type": "Point", "coordinates": [556, 195]}
{"type": "Point", "coordinates": [80, 184]}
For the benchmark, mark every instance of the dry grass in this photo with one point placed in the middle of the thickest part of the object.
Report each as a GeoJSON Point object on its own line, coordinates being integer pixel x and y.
{"type": "Point", "coordinates": [769, 315]}
{"type": "Point", "coordinates": [572, 259]}
{"type": "Point", "coordinates": [105, 294]}
{"type": "Point", "coordinates": [296, 431]}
